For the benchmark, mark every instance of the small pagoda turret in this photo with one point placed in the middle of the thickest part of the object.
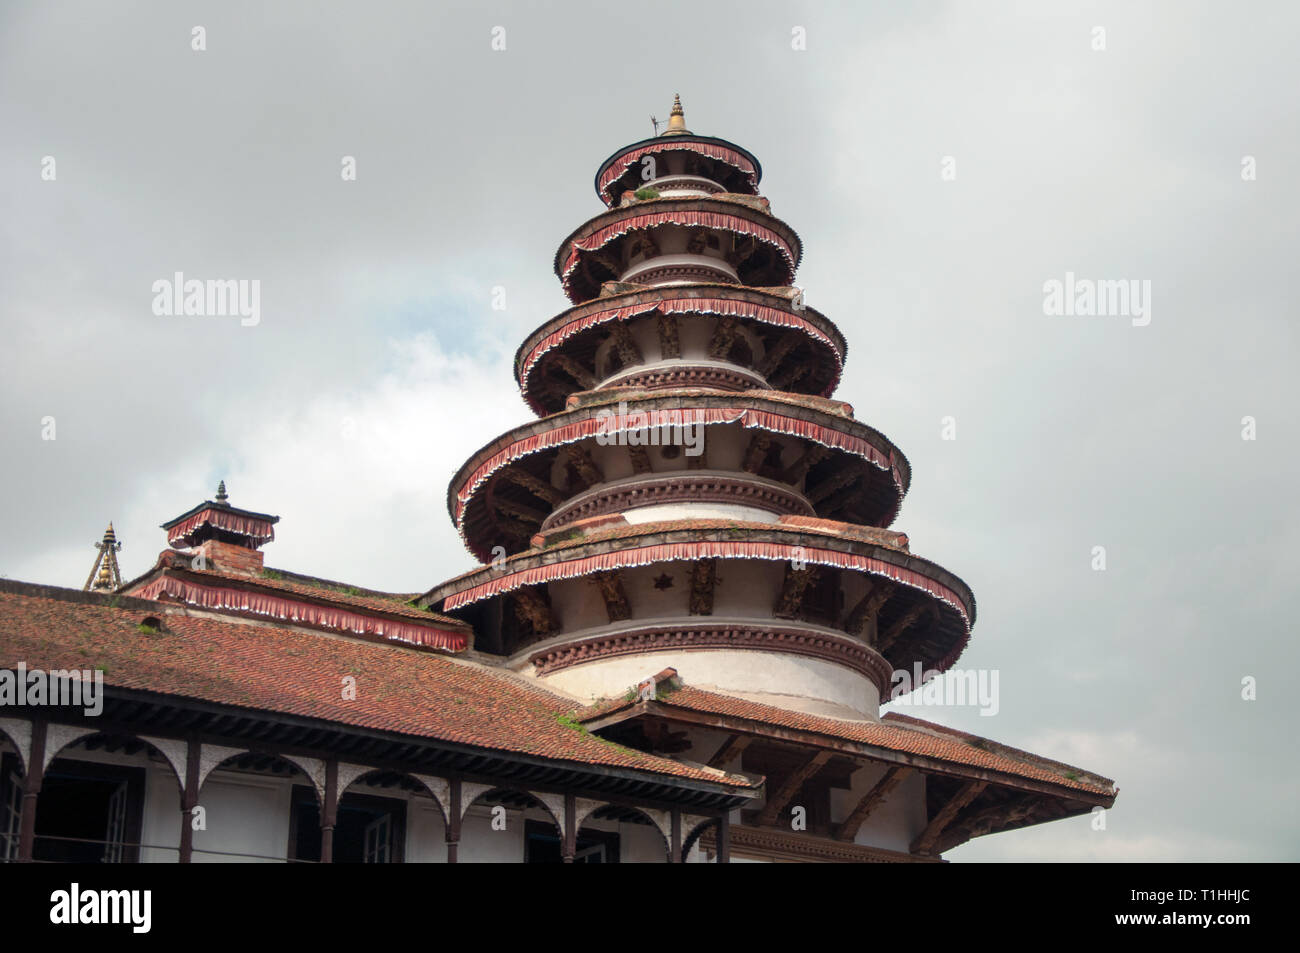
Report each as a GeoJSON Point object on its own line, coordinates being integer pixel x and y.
{"type": "Point", "coordinates": [218, 520]}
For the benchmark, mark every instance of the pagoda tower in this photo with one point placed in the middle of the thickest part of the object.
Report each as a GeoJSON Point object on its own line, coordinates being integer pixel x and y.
{"type": "Point", "coordinates": [691, 496]}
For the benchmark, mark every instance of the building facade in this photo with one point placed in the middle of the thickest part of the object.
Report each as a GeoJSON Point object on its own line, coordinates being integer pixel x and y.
{"type": "Point", "coordinates": [690, 608]}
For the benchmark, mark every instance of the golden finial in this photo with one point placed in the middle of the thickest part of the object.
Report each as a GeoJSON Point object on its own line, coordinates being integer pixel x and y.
{"type": "Point", "coordinates": [105, 574]}
{"type": "Point", "coordinates": [676, 120]}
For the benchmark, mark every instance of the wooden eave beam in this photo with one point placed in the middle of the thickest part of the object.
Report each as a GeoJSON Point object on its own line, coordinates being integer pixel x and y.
{"type": "Point", "coordinates": [733, 746]}
{"type": "Point", "coordinates": [704, 577]}
{"type": "Point", "coordinates": [670, 345]}
{"type": "Point", "coordinates": [581, 460]}
{"type": "Point", "coordinates": [793, 589]}
{"type": "Point", "coordinates": [842, 477]}
{"type": "Point", "coordinates": [852, 749]}
{"type": "Point", "coordinates": [968, 792]}
{"type": "Point", "coordinates": [534, 485]}
{"type": "Point", "coordinates": [773, 358]}
{"type": "Point", "coordinates": [511, 508]}
{"type": "Point", "coordinates": [814, 454]}
{"type": "Point", "coordinates": [777, 802]}
{"type": "Point", "coordinates": [624, 343]}
{"type": "Point", "coordinates": [583, 377]}
{"type": "Point", "coordinates": [724, 335]}
{"type": "Point", "coordinates": [640, 459]}
{"type": "Point", "coordinates": [878, 592]}
{"type": "Point", "coordinates": [901, 625]}
{"type": "Point", "coordinates": [756, 452]}
{"type": "Point", "coordinates": [614, 595]}
{"type": "Point", "coordinates": [892, 778]}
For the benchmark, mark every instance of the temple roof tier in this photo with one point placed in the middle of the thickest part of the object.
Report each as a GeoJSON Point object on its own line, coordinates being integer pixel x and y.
{"type": "Point", "coordinates": [751, 453]}
{"type": "Point", "coordinates": [217, 519]}
{"type": "Point", "coordinates": [858, 585]}
{"type": "Point", "coordinates": [725, 336]}
{"type": "Point", "coordinates": [660, 163]}
{"type": "Point", "coordinates": [724, 238]}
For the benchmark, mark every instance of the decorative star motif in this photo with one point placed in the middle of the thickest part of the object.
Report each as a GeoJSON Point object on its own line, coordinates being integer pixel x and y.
{"type": "Point", "coordinates": [664, 582]}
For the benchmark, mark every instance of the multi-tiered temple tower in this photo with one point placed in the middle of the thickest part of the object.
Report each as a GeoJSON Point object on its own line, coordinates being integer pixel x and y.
{"type": "Point", "coordinates": [691, 496]}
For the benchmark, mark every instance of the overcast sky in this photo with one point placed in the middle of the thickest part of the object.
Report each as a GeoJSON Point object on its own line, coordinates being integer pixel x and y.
{"type": "Point", "coordinates": [379, 364]}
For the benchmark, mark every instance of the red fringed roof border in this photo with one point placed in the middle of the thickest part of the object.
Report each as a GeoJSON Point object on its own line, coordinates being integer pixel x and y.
{"type": "Point", "coordinates": [722, 154]}
{"type": "Point", "coordinates": [705, 549]}
{"type": "Point", "coordinates": [259, 530]}
{"type": "Point", "coordinates": [702, 305]}
{"type": "Point", "coordinates": [291, 610]}
{"type": "Point", "coordinates": [582, 429]}
{"type": "Point", "coordinates": [684, 217]}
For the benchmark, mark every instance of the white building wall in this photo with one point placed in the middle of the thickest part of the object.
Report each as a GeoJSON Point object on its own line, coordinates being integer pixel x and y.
{"type": "Point", "coordinates": [246, 814]}
{"type": "Point", "coordinates": [426, 833]}
{"type": "Point", "coordinates": [894, 824]}
{"type": "Point", "coordinates": [773, 678]}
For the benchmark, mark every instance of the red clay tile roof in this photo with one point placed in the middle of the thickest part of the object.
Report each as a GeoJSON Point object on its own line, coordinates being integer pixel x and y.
{"type": "Point", "coordinates": [898, 733]}
{"type": "Point", "coordinates": [341, 593]}
{"type": "Point", "coordinates": [284, 671]}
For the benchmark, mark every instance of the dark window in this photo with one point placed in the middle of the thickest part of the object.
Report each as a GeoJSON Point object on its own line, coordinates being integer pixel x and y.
{"type": "Point", "coordinates": [368, 829]}
{"type": "Point", "coordinates": [542, 845]}
{"type": "Point", "coordinates": [89, 813]}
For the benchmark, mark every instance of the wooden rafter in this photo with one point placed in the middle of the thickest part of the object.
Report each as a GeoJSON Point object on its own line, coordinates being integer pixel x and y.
{"type": "Point", "coordinates": [924, 842]}
{"type": "Point", "coordinates": [581, 460]}
{"type": "Point", "coordinates": [704, 577]}
{"type": "Point", "coordinates": [583, 377]}
{"type": "Point", "coordinates": [670, 345]}
{"type": "Point", "coordinates": [777, 353]}
{"type": "Point", "coordinates": [870, 801]}
{"type": "Point", "coordinates": [900, 625]}
{"type": "Point", "coordinates": [756, 452]}
{"type": "Point", "coordinates": [624, 343]}
{"type": "Point", "coordinates": [1013, 813]}
{"type": "Point", "coordinates": [776, 803]}
{"type": "Point", "coordinates": [534, 485]}
{"type": "Point", "coordinates": [790, 375]}
{"type": "Point", "coordinates": [732, 747]}
{"type": "Point", "coordinates": [846, 496]}
{"type": "Point", "coordinates": [789, 603]}
{"type": "Point", "coordinates": [640, 459]}
{"type": "Point", "coordinates": [814, 453]}
{"type": "Point", "coordinates": [842, 477]}
{"type": "Point", "coordinates": [878, 592]}
{"type": "Point", "coordinates": [526, 513]}
{"type": "Point", "coordinates": [611, 589]}
{"type": "Point", "coordinates": [532, 606]}
{"type": "Point", "coordinates": [723, 337]}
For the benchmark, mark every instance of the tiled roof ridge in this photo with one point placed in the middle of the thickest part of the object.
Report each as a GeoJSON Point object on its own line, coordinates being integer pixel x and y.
{"type": "Point", "coordinates": [285, 582]}
{"type": "Point", "coordinates": [341, 586]}
{"type": "Point", "coordinates": [112, 600]}
{"type": "Point", "coordinates": [988, 744]}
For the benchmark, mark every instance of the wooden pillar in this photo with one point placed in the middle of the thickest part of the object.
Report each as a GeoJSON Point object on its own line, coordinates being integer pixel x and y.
{"type": "Point", "coordinates": [329, 811]}
{"type": "Point", "coordinates": [570, 827]}
{"type": "Point", "coordinates": [675, 845]}
{"type": "Point", "coordinates": [724, 838]}
{"type": "Point", "coordinates": [189, 799]}
{"type": "Point", "coordinates": [453, 821]}
{"type": "Point", "coordinates": [31, 788]}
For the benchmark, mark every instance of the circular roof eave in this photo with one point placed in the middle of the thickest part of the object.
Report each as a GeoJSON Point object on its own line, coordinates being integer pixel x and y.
{"type": "Point", "coordinates": [668, 143]}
